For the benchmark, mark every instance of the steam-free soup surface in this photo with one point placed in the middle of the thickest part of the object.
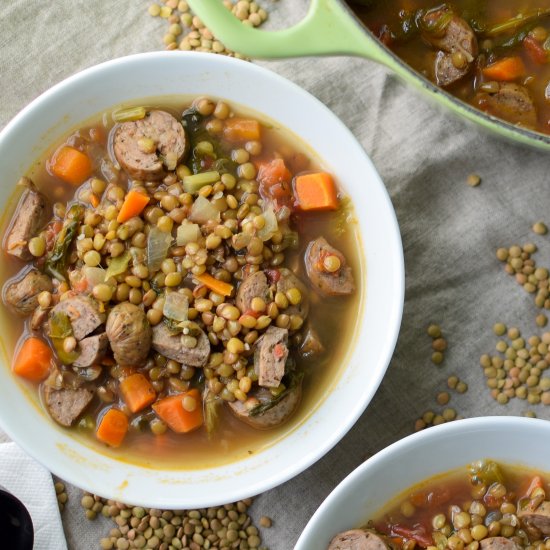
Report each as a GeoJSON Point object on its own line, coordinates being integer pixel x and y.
{"type": "Point", "coordinates": [187, 281]}
{"type": "Point", "coordinates": [493, 55]}
{"type": "Point", "coordinates": [485, 505]}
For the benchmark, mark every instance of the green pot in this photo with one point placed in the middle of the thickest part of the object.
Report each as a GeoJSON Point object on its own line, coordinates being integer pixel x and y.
{"type": "Point", "coordinates": [331, 28]}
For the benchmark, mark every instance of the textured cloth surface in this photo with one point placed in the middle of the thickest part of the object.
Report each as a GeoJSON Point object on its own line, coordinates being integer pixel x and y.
{"type": "Point", "coordinates": [450, 231]}
{"type": "Point", "coordinates": [32, 484]}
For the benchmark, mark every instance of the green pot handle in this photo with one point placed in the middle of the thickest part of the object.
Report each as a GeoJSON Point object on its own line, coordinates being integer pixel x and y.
{"type": "Point", "coordinates": [327, 29]}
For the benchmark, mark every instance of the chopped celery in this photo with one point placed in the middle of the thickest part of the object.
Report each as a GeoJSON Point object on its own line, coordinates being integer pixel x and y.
{"type": "Point", "coordinates": [193, 184]}
{"type": "Point", "coordinates": [130, 114]}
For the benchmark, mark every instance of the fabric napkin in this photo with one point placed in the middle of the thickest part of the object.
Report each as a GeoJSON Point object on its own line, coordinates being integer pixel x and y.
{"type": "Point", "coordinates": [33, 486]}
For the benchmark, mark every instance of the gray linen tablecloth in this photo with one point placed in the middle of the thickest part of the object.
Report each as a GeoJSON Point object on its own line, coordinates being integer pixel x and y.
{"type": "Point", "coordinates": [424, 155]}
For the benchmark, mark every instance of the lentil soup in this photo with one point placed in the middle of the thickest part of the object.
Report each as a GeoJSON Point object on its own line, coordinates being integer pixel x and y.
{"type": "Point", "coordinates": [185, 279]}
{"type": "Point", "coordinates": [492, 55]}
{"type": "Point", "coordinates": [487, 505]}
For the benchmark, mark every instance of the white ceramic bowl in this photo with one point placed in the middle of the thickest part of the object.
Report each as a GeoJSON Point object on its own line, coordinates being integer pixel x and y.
{"type": "Point", "coordinates": [60, 110]}
{"type": "Point", "coordinates": [513, 440]}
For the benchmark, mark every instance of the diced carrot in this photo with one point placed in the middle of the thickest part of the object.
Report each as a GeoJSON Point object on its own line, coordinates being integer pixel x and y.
{"type": "Point", "coordinates": [33, 360]}
{"type": "Point", "coordinates": [535, 50]}
{"type": "Point", "coordinates": [241, 129]}
{"type": "Point", "coordinates": [177, 415]}
{"type": "Point", "coordinates": [137, 392]}
{"type": "Point", "coordinates": [316, 191]}
{"type": "Point", "coordinates": [94, 200]}
{"type": "Point", "coordinates": [71, 165]}
{"type": "Point", "coordinates": [507, 68]}
{"type": "Point", "coordinates": [113, 427]}
{"type": "Point", "coordinates": [133, 205]}
{"type": "Point", "coordinates": [272, 172]}
{"type": "Point", "coordinates": [219, 287]}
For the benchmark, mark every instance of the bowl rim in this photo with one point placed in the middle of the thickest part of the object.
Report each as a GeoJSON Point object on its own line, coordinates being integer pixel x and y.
{"type": "Point", "coordinates": [398, 276]}
{"type": "Point", "coordinates": [401, 447]}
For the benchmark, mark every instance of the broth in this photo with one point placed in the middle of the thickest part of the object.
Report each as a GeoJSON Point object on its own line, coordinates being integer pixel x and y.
{"type": "Point", "coordinates": [508, 29]}
{"type": "Point", "coordinates": [334, 318]}
{"type": "Point", "coordinates": [481, 505]}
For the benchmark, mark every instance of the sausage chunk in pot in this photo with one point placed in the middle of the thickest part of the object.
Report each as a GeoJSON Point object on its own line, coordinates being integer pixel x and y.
{"type": "Point", "coordinates": [129, 334]}
{"type": "Point", "coordinates": [170, 345]}
{"type": "Point", "coordinates": [358, 539]}
{"type": "Point", "coordinates": [22, 293]}
{"type": "Point", "coordinates": [148, 147]}
{"type": "Point", "coordinates": [456, 44]}
{"type": "Point", "coordinates": [26, 222]}
{"type": "Point", "coordinates": [83, 313]}
{"type": "Point", "coordinates": [65, 405]}
{"type": "Point", "coordinates": [327, 269]}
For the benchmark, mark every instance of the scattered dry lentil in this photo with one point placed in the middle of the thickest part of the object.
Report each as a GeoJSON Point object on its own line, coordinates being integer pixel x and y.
{"type": "Point", "coordinates": [439, 344]}
{"type": "Point", "coordinates": [185, 31]}
{"type": "Point", "coordinates": [227, 526]}
{"type": "Point", "coordinates": [534, 280]}
{"type": "Point", "coordinates": [473, 180]}
{"type": "Point", "coordinates": [61, 494]}
{"type": "Point", "coordinates": [540, 228]}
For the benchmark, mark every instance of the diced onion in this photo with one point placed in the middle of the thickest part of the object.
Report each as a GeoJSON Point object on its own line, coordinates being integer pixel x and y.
{"type": "Point", "coordinates": [188, 233]}
{"type": "Point", "coordinates": [203, 211]}
{"type": "Point", "coordinates": [158, 243]}
{"type": "Point", "coordinates": [176, 306]}
{"type": "Point", "coordinates": [270, 226]}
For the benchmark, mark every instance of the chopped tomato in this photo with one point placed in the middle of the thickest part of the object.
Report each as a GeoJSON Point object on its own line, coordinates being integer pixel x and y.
{"type": "Point", "coordinates": [274, 179]}
{"type": "Point", "coordinates": [278, 351]}
{"type": "Point", "coordinates": [417, 533]}
{"type": "Point", "coordinates": [535, 50]}
{"type": "Point", "coordinates": [431, 499]}
{"type": "Point", "coordinates": [273, 275]}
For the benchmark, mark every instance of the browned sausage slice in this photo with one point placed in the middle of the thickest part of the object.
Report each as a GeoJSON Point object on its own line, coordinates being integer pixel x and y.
{"type": "Point", "coordinates": [270, 356]}
{"type": "Point", "coordinates": [21, 293]}
{"type": "Point", "coordinates": [26, 221]}
{"type": "Point", "coordinates": [67, 404]}
{"type": "Point", "coordinates": [457, 46]}
{"type": "Point", "coordinates": [83, 312]}
{"type": "Point", "coordinates": [498, 543]}
{"type": "Point", "coordinates": [92, 350]}
{"type": "Point", "coordinates": [338, 283]}
{"type": "Point", "coordinates": [129, 334]}
{"type": "Point", "coordinates": [140, 163]}
{"type": "Point", "coordinates": [538, 519]}
{"type": "Point", "coordinates": [358, 539]}
{"type": "Point", "coordinates": [170, 345]}
{"type": "Point", "coordinates": [510, 102]}
{"type": "Point", "coordinates": [255, 285]}
{"type": "Point", "coordinates": [287, 281]}
{"type": "Point", "coordinates": [275, 416]}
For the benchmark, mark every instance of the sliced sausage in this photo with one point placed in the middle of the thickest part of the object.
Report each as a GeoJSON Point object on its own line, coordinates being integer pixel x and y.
{"type": "Point", "coordinates": [21, 293]}
{"type": "Point", "coordinates": [67, 404]}
{"type": "Point", "coordinates": [25, 223]}
{"type": "Point", "coordinates": [170, 140]}
{"type": "Point", "coordinates": [538, 519]}
{"type": "Point", "coordinates": [83, 313]}
{"type": "Point", "coordinates": [358, 539]}
{"type": "Point", "coordinates": [169, 344]}
{"type": "Point", "coordinates": [510, 102]}
{"type": "Point", "coordinates": [457, 46]}
{"type": "Point", "coordinates": [129, 334]}
{"type": "Point", "coordinates": [337, 283]}
{"type": "Point", "coordinates": [270, 356]}
{"type": "Point", "coordinates": [92, 350]}
{"type": "Point", "coordinates": [499, 543]}
{"type": "Point", "coordinates": [275, 416]}
{"type": "Point", "coordinates": [288, 280]}
{"type": "Point", "coordinates": [255, 285]}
